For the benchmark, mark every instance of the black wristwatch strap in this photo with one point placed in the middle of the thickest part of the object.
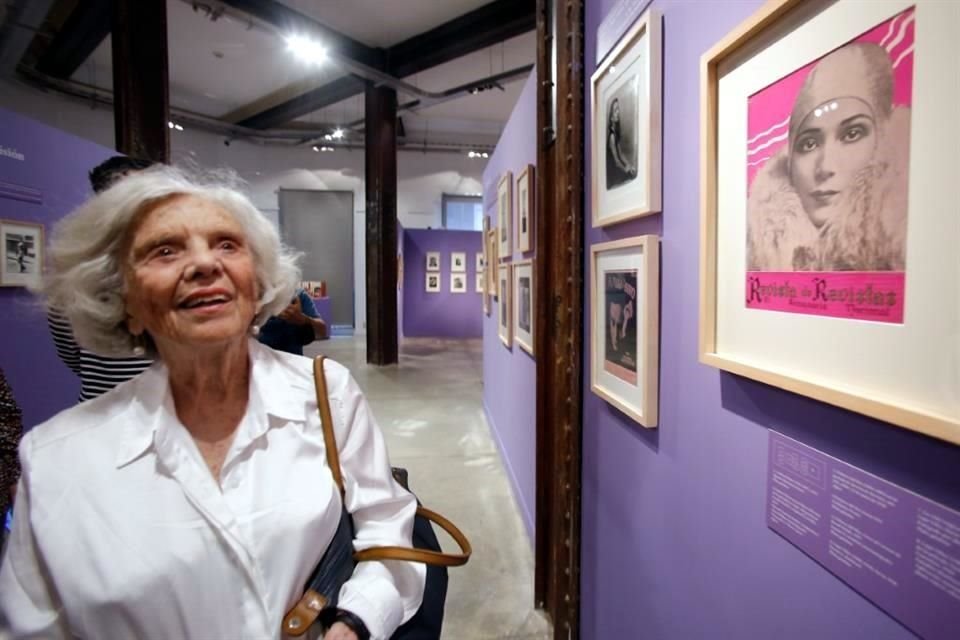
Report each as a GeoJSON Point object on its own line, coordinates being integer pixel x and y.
{"type": "Point", "coordinates": [330, 616]}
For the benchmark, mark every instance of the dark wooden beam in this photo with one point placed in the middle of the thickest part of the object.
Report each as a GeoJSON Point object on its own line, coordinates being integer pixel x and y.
{"type": "Point", "coordinates": [559, 312]}
{"type": "Point", "coordinates": [81, 34]}
{"type": "Point", "coordinates": [141, 107]}
{"type": "Point", "coordinates": [481, 28]}
{"type": "Point", "coordinates": [291, 21]}
{"type": "Point", "coordinates": [330, 93]}
{"type": "Point", "coordinates": [381, 242]}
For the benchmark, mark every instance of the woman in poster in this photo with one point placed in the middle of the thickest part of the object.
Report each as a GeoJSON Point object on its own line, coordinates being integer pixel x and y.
{"type": "Point", "coordinates": [834, 198]}
{"type": "Point", "coordinates": [619, 168]}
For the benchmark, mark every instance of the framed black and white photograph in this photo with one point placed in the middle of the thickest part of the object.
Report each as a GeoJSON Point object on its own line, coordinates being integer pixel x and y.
{"type": "Point", "coordinates": [505, 330]}
{"type": "Point", "coordinates": [21, 253]}
{"type": "Point", "coordinates": [829, 197]}
{"type": "Point", "coordinates": [458, 283]}
{"type": "Point", "coordinates": [480, 284]}
{"type": "Point", "coordinates": [433, 283]}
{"type": "Point", "coordinates": [505, 216]}
{"type": "Point", "coordinates": [523, 301]}
{"type": "Point", "coordinates": [480, 262]}
{"type": "Point", "coordinates": [525, 209]}
{"type": "Point", "coordinates": [624, 331]}
{"type": "Point", "coordinates": [625, 99]}
{"type": "Point", "coordinates": [433, 261]}
{"type": "Point", "coordinates": [458, 261]}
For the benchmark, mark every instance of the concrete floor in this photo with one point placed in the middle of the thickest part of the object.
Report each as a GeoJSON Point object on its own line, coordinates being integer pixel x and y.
{"type": "Point", "coordinates": [429, 408]}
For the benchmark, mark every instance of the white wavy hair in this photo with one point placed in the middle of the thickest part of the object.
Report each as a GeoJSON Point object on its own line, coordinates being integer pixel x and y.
{"type": "Point", "coordinates": [85, 278]}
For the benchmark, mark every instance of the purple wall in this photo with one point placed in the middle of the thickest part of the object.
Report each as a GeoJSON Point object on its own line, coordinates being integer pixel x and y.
{"type": "Point", "coordinates": [675, 542]}
{"type": "Point", "coordinates": [510, 375]}
{"type": "Point", "coordinates": [56, 164]}
{"type": "Point", "coordinates": [442, 314]}
{"type": "Point", "coordinates": [402, 289]}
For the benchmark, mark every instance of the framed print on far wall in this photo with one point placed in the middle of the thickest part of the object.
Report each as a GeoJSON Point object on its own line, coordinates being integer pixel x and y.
{"type": "Point", "coordinates": [625, 94]}
{"type": "Point", "coordinates": [624, 333]}
{"type": "Point", "coordinates": [21, 253]}
{"type": "Point", "coordinates": [479, 285]}
{"type": "Point", "coordinates": [525, 209]}
{"type": "Point", "coordinates": [458, 283]}
{"type": "Point", "coordinates": [505, 216]}
{"type": "Point", "coordinates": [492, 245]}
{"type": "Point", "coordinates": [480, 262]}
{"type": "Point", "coordinates": [506, 306]}
{"type": "Point", "coordinates": [829, 220]}
{"type": "Point", "coordinates": [523, 300]}
{"type": "Point", "coordinates": [433, 283]}
{"type": "Point", "coordinates": [433, 261]}
{"type": "Point", "coordinates": [458, 261]}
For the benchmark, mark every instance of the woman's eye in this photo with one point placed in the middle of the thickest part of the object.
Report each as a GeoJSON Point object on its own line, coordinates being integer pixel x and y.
{"type": "Point", "coordinates": [854, 133]}
{"type": "Point", "coordinates": [163, 252]}
{"type": "Point", "coordinates": [807, 144]}
{"type": "Point", "coordinates": [228, 245]}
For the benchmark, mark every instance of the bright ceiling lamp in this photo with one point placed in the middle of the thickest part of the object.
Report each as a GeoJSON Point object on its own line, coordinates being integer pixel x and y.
{"type": "Point", "coordinates": [338, 133]}
{"type": "Point", "coordinates": [306, 49]}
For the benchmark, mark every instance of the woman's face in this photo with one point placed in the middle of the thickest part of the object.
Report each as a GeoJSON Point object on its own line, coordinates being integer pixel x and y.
{"type": "Point", "coordinates": [615, 111]}
{"type": "Point", "coordinates": [832, 145]}
{"type": "Point", "coordinates": [191, 278]}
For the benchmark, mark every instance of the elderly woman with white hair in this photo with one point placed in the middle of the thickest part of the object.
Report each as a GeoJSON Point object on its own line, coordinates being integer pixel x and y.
{"type": "Point", "coordinates": [195, 500]}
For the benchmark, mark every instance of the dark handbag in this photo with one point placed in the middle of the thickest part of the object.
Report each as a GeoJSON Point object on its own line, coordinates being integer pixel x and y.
{"type": "Point", "coordinates": [338, 561]}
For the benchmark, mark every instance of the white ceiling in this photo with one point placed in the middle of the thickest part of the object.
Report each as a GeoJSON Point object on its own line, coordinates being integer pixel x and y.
{"type": "Point", "coordinates": [218, 67]}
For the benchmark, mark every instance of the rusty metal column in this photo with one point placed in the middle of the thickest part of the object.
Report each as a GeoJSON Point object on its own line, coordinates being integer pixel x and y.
{"type": "Point", "coordinates": [381, 227]}
{"type": "Point", "coordinates": [141, 107]}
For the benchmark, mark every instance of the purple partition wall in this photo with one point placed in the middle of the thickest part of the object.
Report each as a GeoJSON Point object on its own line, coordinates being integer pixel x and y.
{"type": "Point", "coordinates": [55, 164]}
{"type": "Point", "coordinates": [442, 314]}
{"type": "Point", "coordinates": [510, 375]}
{"type": "Point", "coordinates": [675, 543]}
{"type": "Point", "coordinates": [401, 283]}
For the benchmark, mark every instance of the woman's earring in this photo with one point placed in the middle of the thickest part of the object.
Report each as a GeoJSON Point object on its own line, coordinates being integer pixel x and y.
{"type": "Point", "coordinates": [138, 349]}
{"type": "Point", "coordinates": [254, 329]}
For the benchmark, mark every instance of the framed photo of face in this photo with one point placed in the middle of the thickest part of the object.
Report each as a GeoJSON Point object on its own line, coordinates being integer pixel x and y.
{"type": "Point", "coordinates": [625, 96]}
{"type": "Point", "coordinates": [458, 261]}
{"type": "Point", "coordinates": [433, 283]}
{"type": "Point", "coordinates": [505, 216]}
{"type": "Point", "coordinates": [525, 209]}
{"type": "Point", "coordinates": [21, 253]}
{"type": "Point", "coordinates": [458, 283]}
{"type": "Point", "coordinates": [433, 261]}
{"type": "Point", "coordinates": [506, 306]}
{"type": "Point", "coordinates": [523, 300]}
{"type": "Point", "coordinates": [829, 222]}
{"type": "Point", "coordinates": [624, 332]}
{"type": "Point", "coordinates": [480, 287]}
{"type": "Point", "coordinates": [480, 262]}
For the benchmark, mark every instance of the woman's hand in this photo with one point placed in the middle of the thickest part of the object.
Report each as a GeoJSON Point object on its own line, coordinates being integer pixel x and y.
{"type": "Point", "coordinates": [340, 631]}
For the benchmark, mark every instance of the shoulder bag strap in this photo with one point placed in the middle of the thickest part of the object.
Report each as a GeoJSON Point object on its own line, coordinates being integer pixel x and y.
{"type": "Point", "coordinates": [385, 553]}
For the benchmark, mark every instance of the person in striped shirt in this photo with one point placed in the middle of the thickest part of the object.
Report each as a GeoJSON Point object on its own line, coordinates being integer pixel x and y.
{"type": "Point", "coordinates": [98, 374]}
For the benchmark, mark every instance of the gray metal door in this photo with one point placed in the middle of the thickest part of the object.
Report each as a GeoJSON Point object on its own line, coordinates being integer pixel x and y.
{"type": "Point", "coordinates": [320, 224]}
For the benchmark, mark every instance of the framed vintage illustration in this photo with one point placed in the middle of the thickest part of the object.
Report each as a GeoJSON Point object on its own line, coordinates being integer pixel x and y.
{"type": "Point", "coordinates": [21, 253]}
{"type": "Point", "coordinates": [399, 271]}
{"type": "Point", "coordinates": [624, 331]}
{"type": "Point", "coordinates": [523, 300]}
{"type": "Point", "coordinates": [487, 259]}
{"type": "Point", "coordinates": [433, 283]}
{"type": "Point", "coordinates": [829, 219]}
{"type": "Point", "coordinates": [506, 306]}
{"type": "Point", "coordinates": [458, 261]}
{"type": "Point", "coordinates": [492, 245]}
{"type": "Point", "coordinates": [458, 283]}
{"type": "Point", "coordinates": [505, 216]}
{"type": "Point", "coordinates": [433, 261]}
{"type": "Point", "coordinates": [480, 262]}
{"type": "Point", "coordinates": [625, 95]}
{"type": "Point", "coordinates": [480, 286]}
{"type": "Point", "coordinates": [525, 209]}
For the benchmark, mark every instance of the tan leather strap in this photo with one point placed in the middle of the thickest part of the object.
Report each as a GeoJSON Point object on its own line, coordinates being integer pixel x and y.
{"type": "Point", "coordinates": [435, 558]}
{"type": "Point", "coordinates": [326, 420]}
{"type": "Point", "coordinates": [303, 614]}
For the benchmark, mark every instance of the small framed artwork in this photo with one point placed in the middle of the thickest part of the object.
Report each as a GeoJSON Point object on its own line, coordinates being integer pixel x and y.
{"type": "Point", "coordinates": [433, 283]}
{"type": "Point", "coordinates": [433, 261]}
{"type": "Point", "coordinates": [480, 285]}
{"type": "Point", "coordinates": [525, 209]}
{"type": "Point", "coordinates": [492, 245]}
{"type": "Point", "coordinates": [506, 306]}
{"type": "Point", "coordinates": [399, 271]}
{"type": "Point", "coordinates": [504, 216]}
{"type": "Point", "coordinates": [480, 262]}
{"type": "Point", "coordinates": [624, 332]}
{"type": "Point", "coordinates": [21, 253]}
{"type": "Point", "coordinates": [828, 214]}
{"type": "Point", "coordinates": [625, 93]}
{"type": "Point", "coordinates": [458, 261]}
{"type": "Point", "coordinates": [458, 283]}
{"type": "Point", "coordinates": [523, 299]}
{"type": "Point", "coordinates": [487, 255]}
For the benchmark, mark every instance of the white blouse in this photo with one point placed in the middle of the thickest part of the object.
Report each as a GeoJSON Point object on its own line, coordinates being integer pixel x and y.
{"type": "Point", "coordinates": [121, 531]}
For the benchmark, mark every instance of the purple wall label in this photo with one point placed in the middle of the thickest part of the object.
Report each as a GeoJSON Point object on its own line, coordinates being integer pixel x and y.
{"type": "Point", "coordinates": [896, 548]}
{"type": "Point", "coordinates": [615, 24]}
{"type": "Point", "coordinates": [20, 192]}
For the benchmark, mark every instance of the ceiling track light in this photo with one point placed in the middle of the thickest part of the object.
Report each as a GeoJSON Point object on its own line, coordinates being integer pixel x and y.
{"type": "Point", "coordinates": [306, 49]}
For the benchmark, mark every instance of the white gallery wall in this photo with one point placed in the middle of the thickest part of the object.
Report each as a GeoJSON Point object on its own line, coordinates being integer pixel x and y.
{"type": "Point", "coordinates": [422, 178]}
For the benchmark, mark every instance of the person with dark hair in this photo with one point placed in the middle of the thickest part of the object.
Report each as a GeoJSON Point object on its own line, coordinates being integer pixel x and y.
{"type": "Point", "coordinates": [11, 430]}
{"type": "Point", "coordinates": [98, 374]}
{"type": "Point", "coordinates": [295, 327]}
{"type": "Point", "coordinates": [619, 168]}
